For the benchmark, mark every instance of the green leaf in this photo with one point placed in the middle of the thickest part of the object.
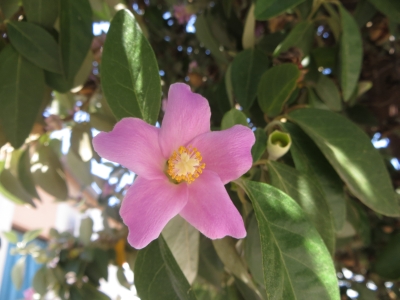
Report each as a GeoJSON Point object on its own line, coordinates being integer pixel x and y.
{"type": "Point", "coordinates": [9, 7]}
{"type": "Point", "coordinates": [351, 53]}
{"type": "Point", "coordinates": [35, 44]}
{"type": "Point", "coordinates": [232, 118]}
{"type": "Point", "coordinates": [24, 174]}
{"type": "Point", "coordinates": [253, 252]}
{"type": "Point", "coordinates": [81, 141]}
{"type": "Point", "coordinates": [308, 195]}
{"type": "Point", "coordinates": [130, 78]}
{"type": "Point", "coordinates": [12, 189]}
{"type": "Point", "coordinates": [122, 278]}
{"type": "Point", "coordinates": [301, 36]}
{"type": "Point", "coordinates": [309, 160]}
{"type": "Point", "coordinates": [266, 9]}
{"type": "Point", "coordinates": [75, 35]}
{"type": "Point", "coordinates": [40, 280]}
{"type": "Point", "coordinates": [329, 93]}
{"type": "Point", "coordinates": [183, 241]}
{"type": "Point", "coordinates": [296, 263]}
{"type": "Point", "coordinates": [204, 35]}
{"type": "Point", "coordinates": [79, 169]}
{"type": "Point", "coordinates": [387, 263]}
{"type": "Point", "coordinates": [158, 276]}
{"type": "Point", "coordinates": [248, 37]}
{"type": "Point", "coordinates": [260, 145]}
{"type": "Point", "coordinates": [364, 12]}
{"type": "Point", "coordinates": [351, 154]}
{"type": "Point", "coordinates": [88, 291]}
{"type": "Point", "coordinates": [86, 231]}
{"type": "Point", "coordinates": [359, 220]}
{"type": "Point", "coordinates": [11, 236]}
{"type": "Point", "coordinates": [276, 86]}
{"type": "Point", "coordinates": [18, 273]}
{"type": "Point", "coordinates": [21, 94]}
{"type": "Point", "coordinates": [31, 235]}
{"type": "Point", "coordinates": [41, 12]}
{"type": "Point", "coordinates": [247, 69]}
{"type": "Point", "coordinates": [48, 172]}
{"type": "Point", "coordinates": [389, 8]}
{"type": "Point", "coordinates": [226, 251]}
{"type": "Point", "coordinates": [57, 82]}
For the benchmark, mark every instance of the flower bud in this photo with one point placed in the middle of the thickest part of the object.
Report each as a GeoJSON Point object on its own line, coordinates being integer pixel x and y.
{"type": "Point", "coordinates": [278, 144]}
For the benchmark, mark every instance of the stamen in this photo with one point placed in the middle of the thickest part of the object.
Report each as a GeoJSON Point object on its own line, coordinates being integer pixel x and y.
{"type": "Point", "coordinates": [185, 164]}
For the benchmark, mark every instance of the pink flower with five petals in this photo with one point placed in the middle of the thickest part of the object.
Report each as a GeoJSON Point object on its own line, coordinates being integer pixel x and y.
{"type": "Point", "coordinates": [182, 168]}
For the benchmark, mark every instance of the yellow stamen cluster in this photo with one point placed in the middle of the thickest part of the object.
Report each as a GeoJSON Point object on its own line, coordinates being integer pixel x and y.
{"type": "Point", "coordinates": [185, 164]}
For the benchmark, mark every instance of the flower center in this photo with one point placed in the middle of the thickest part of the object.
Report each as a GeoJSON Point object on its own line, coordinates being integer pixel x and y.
{"type": "Point", "coordinates": [185, 164]}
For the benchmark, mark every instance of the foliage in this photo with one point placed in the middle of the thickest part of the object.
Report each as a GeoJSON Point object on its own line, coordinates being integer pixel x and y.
{"type": "Point", "coordinates": [315, 81]}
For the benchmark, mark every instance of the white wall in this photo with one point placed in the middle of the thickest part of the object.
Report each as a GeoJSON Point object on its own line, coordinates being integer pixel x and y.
{"type": "Point", "coordinates": [6, 216]}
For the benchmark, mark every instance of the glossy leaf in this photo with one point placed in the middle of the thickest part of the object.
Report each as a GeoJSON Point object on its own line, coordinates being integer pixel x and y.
{"type": "Point", "coordinates": [266, 9]}
{"type": "Point", "coordinates": [18, 272]}
{"type": "Point", "coordinates": [247, 69]}
{"type": "Point", "coordinates": [226, 251]}
{"type": "Point", "coordinates": [301, 36]}
{"type": "Point", "coordinates": [351, 53]}
{"type": "Point", "coordinates": [296, 263]}
{"type": "Point", "coordinates": [329, 93]}
{"type": "Point", "coordinates": [130, 78]}
{"type": "Point", "coordinates": [75, 35]}
{"type": "Point", "coordinates": [35, 44]}
{"type": "Point", "coordinates": [389, 8]}
{"type": "Point", "coordinates": [309, 160]}
{"type": "Point", "coordinates": [351, 154]}
{"type": "Point", "coordinates": [276, 86]}
{"type": "Point", "coordinates": [183, 241]}
{"type": "Point", "coordinates": [232, 118]}
{"type": "Point", "coordinates": [158, 276]}
{"type": "Point", "coordinates": [21, 93]}
{"type": "Point", "coordinates": [260, 145]}
{"type": "Point", "coordinates": [205, 36]}
{"type": "Point", "coordinates": [308, 195]}
{"type": "Point", "coordinates": [41, 12]}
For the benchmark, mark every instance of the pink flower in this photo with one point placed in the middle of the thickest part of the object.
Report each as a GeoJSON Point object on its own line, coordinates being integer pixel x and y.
{"type": "Point", "coordinates": [182, 168]}
{"type": "Point", "coordinates": [28, 294]}
{"type": "Point", "coordinates": [181, 14]}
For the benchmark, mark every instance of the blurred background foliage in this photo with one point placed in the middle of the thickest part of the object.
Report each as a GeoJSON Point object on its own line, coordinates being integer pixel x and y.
{"type": "Point", "coordinates": [259, 63]}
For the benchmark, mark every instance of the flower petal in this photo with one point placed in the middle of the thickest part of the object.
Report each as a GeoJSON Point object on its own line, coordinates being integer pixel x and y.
{"type": "Point", "coordinates": [134, 144]}
{"type": "Point", "coordinates": [148, 206]}
{"type": "Point", "coordinates": [187, 115]}
{"type": "Point", "coordinates": [226, 152]}
{"type": "Point", "coordinates": [210, 209]}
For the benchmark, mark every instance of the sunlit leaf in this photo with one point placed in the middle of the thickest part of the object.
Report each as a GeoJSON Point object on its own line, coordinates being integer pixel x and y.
{"type": "Point", "coordinates": [232, 118]}
{"type": "Point", "coordinates": [18, 273]}
{"type": "Point", "coordinates": [351, 154]}
{"type": "Point", "coordinates": [31, 235]}
{"type": "Point", "coordinates": [297, 265]}
{"type": "Point", "coordinates": [130, 78]}
{"type": "Point", "coordinates": [308, 195]}
{"type": "Point", "coordinates": [158, 276]}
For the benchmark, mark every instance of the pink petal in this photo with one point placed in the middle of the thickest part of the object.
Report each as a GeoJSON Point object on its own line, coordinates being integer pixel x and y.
{"type": "Point", "coordinates": [226, 152]}
{"type": "Point", "coordinates": [148, 206]}
{"type": "Point", "coordinates": [187, 115]}
{"type": "Point", "coordinates": [210, 209]}
{"type": "Point", "coordinates": [134, 144]}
